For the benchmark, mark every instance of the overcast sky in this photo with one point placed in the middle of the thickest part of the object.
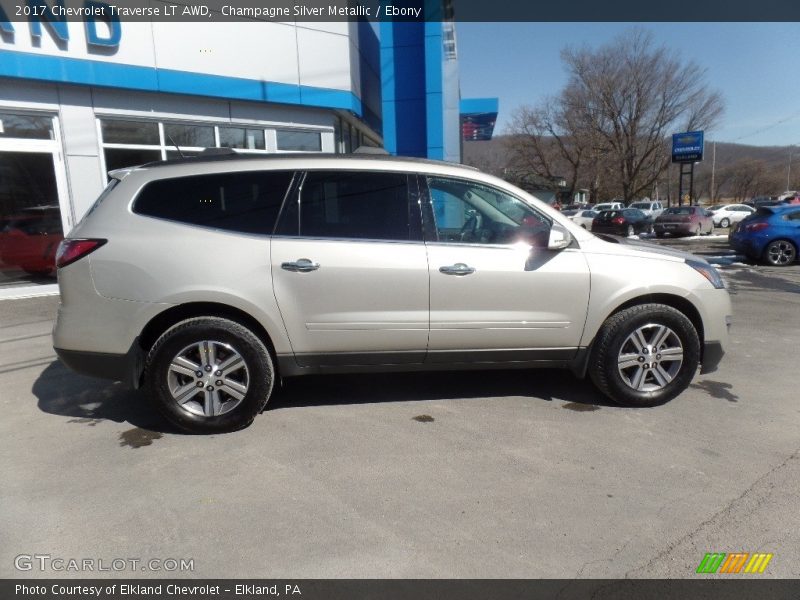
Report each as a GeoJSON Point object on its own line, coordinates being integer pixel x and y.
{"type": "Point", "coordinates": [756, 66]}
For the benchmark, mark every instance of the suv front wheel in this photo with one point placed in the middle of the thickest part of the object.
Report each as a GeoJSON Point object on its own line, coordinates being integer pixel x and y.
{"type": "Point", "coordinates": [645, 355]}
{"type": "Point", "coordinates": [209, 375]}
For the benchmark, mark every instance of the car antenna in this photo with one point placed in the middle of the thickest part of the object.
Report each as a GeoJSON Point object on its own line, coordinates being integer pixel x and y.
{"type": "Point", "coordinates": [169, 137]}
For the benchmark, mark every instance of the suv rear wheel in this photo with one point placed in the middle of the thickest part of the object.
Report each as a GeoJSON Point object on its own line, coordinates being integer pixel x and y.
{"type": "Point", "coordinates": [209, 375]}
{"type": "Point", "coordinates": [645, 355]}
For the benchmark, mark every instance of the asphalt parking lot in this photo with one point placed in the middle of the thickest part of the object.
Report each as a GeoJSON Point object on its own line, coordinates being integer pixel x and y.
{"type": "Point", "coordinates": [506, 474]}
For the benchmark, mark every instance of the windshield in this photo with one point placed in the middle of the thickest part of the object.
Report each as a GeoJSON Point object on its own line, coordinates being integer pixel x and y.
{"type": "Point", "coordinates": [644, 205]}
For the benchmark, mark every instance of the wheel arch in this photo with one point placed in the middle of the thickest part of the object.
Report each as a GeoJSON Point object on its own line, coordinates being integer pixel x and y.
{"type": "Point", "coordinates": [679, 303]}
{"type": "Point", "coordinates": [166, 319]}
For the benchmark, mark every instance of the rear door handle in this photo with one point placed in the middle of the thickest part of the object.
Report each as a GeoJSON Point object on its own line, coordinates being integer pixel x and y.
{"type": "Point", "coordinates": [301, 265]}
{"type": "Point", "coordinates": [457, 269]}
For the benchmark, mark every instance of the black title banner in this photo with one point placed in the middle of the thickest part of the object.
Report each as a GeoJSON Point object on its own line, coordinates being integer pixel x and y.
{"type": "Point", "coordinates": [399, 10]}
{"type": "Point", "coordinates": [399, 589]}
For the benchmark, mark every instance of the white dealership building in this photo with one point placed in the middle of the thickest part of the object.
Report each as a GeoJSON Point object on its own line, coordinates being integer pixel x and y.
{"type": "Point", "coordinates": [78, 99]}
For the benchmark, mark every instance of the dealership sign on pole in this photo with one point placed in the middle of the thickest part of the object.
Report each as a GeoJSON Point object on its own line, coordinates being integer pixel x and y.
{"type": "Point", "coordinates": [687, 147]}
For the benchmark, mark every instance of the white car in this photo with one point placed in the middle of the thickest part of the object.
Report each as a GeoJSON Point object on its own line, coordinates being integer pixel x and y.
{"type": "Point", "coordinates": [652, 208]}
{"type": "Point", "coordinates": [725, 214]}
{"type": "Point", "coordinates": [584, 218]}
{"type": "Point", "coordinates": [608, 206]}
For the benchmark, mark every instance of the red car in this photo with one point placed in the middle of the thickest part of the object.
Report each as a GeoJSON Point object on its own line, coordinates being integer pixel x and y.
{"type": "Point", "coordinates": [29, 240]}
{"type": "Point", "coordinates": [684, 220]}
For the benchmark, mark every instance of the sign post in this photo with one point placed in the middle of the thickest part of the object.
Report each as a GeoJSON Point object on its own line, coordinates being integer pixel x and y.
{"type": "Point", "coordinates": [687, 149]}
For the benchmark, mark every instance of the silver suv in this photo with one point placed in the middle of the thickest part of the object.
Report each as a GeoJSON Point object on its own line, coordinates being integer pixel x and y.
{"type": "Point", "coordinates": [206, 279]}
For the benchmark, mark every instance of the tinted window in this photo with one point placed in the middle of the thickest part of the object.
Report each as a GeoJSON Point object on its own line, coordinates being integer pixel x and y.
{"type": "Point", "coordinates": [342, 204]}
{"type": "Point", "coordinates": [244, 202]}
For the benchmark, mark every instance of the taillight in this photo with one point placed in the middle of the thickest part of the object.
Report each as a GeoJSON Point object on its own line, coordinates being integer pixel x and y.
{"type": "Point", "coordinates": [70, 250]}
{"type": "Point", "coordinates": [755, 226]}
{"type": "Point", "coordinates": [618, 220]}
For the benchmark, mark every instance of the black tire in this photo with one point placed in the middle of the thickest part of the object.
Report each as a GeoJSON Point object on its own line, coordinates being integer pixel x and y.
{"type": "Point", "coordinates": [780, 253]}
{"type": "Point", "coordinates": [256, 377]}
{"type": "Point", "coordinates": [725, 222]}
{"type": "Point", "coordinates": [660, 234]}
{"type": "Point", "coordinates": [612, 338]}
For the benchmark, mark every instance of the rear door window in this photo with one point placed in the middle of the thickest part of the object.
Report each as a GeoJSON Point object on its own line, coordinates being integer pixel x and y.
{"type": "Point", "coordinates": [352, 205]}
{"type": "Point", "coordinates": [245, 202]}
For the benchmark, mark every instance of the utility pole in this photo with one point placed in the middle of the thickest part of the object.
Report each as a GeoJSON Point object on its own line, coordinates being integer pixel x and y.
{"type": "Point", "coordinates": [714, 165]}
{"type": "Point", "coordinates": [789, 170]}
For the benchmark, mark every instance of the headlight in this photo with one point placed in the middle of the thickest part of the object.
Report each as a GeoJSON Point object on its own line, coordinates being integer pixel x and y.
{"type": "Point", "coordinates": [708, 272]}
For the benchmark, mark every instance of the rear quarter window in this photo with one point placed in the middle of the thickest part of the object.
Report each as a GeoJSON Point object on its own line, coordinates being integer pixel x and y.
{"type": "Point", "coordinates": [243, 202]}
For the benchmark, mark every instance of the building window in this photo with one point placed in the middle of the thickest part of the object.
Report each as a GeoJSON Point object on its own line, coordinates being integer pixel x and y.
{"type": "Point", "coordinates": [119, 158]}
{"type": "Point", "coordinates": [242, 138]}
{"type": "Point", "coordinates": [29, 127]}
{"type": "Point", "coordinates": [130, 132]}
{"type": "Point", "coordinates": [337, 135]}
{"type": "Point", "coordinates": [198, 136]}
{"type": "Point", "coordinates": [128, 142]}
{"type": "Point", "coordinates": [299, 141]}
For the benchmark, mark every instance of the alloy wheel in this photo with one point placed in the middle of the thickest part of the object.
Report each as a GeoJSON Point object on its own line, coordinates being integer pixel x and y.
{"type": "Point", "coordinates": [208, 378]}
{"type": "Point", "coordinates": [650, 358]}
{"type": "Point", "coordinates": [781, 252]}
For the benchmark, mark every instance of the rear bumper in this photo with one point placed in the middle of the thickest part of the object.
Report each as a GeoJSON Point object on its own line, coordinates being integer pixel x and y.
{"type": "Point", "coordinates": [682, 228]}
{"type": "Point", "coordinates": [117, 367]}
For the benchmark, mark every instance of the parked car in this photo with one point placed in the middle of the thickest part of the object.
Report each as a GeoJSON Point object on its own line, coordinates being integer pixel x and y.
{"type": "Point", "coordinates": [784, 201]}
{"type": "Point", "coordinates": [627, 222]}
{"type": "Point", "coordinates": [684, 220]}
{"type": "Point", "coordinates": [724, 214]}
{"type": "Point", "coordinates": [208, 279]}
{"type": "Point", "coordinates": [29, 240]}
{"type": "Point", "coordinates": [772, 234]}
{"type": "Point", "coordinates": [583, 218]}
{"type": "Point", "coordinates": [652, 208]}
{"type": "Point", "coordinates": [759, 201]}
{"type": "Point", "coordinates": [608, 206]}
{"type": "Point", "coordinates": [577, 206]}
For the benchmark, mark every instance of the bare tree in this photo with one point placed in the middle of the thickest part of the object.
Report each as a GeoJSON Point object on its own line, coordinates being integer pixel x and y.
{"type": "Point", "coordinates": [627, 97]}
{"type": "Point", "coordinates": [545, 143]}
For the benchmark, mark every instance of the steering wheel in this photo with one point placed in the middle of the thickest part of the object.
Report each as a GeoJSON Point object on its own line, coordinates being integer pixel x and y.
{"type": "Point", "coordinates": [470, 226]}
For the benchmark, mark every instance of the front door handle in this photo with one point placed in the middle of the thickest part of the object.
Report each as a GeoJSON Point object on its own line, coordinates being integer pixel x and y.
{"type": "Point", "coordinates": [457, 269]}
{"type": "Point", "coordinates": [301, 265]}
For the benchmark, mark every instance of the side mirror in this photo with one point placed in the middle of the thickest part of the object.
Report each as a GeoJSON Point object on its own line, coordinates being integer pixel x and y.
{"type": "Point", "coordinates": [560, 238]}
